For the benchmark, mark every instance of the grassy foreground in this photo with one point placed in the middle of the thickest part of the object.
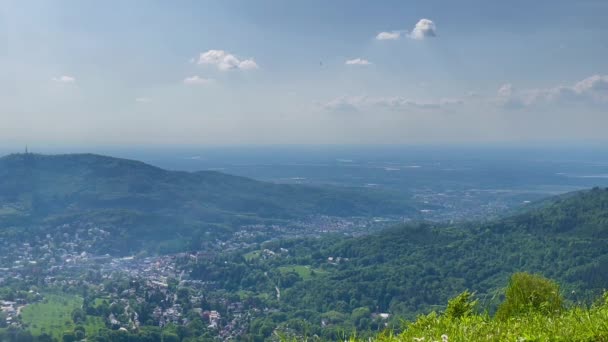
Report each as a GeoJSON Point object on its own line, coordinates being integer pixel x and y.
{"type": "Point", "coordinates": [576, 324]}
{"type": "Point", "coordinates": [533, 310]}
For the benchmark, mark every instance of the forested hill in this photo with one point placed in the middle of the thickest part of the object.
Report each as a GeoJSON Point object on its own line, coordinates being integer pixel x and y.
{"type": "Point", "coordinates": [415, 268]}
{"type": "Point", "coordinates": [34, 187]}
{"type": "Point", "coordinates": [582, 213]}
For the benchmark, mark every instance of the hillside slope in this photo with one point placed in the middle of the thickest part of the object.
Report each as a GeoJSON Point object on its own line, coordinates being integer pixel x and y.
{"type": "Point", "coordinates": [153, 203]}
{"type": "Point", "coordinates": [411, 269]}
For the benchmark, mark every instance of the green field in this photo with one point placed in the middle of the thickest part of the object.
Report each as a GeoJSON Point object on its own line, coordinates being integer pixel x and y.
{"type": "Point", "coordinates": [98, 301]}
{"type": "Point", "coordinates": [303, 271]}
{"type": "Point", "coordinates": [252, 255]}
{"type": "Point", "coordinates": [244, 295]}
{"type": "Point", "coordinates": [54, 316]}
{"type": "Point", "coordinates": [8, 211]}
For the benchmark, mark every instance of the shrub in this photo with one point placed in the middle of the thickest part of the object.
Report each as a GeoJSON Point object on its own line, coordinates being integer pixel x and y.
{"type": "Point", "coordinates": [528, 293]}
{"type": "Point", "coordinates": [461, 306]}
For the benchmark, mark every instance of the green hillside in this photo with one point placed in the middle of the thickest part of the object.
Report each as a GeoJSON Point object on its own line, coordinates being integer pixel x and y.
{"type": "Point", "coordinates": [152, 203]}
{"type": "Point", "coordinates": [412, 268]}
{"type": "Point", "coordinates": [417, 268]}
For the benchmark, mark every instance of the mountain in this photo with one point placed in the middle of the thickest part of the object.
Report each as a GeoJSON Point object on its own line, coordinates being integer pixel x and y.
{"type": "Point", "coordinates": [144, 202]}
{"type": "Point", "coordinates": [414, 268]}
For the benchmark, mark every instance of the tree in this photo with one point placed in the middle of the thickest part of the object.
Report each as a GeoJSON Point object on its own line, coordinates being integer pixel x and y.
{"type": "Point", "coordinates": [170, 337]}
{"type": "Point", "coordinates": [68, 336]}
{"type": "Point", "coordinates": [79, 316]}
{"type": "Point", "coordinates": [24, 336]}
{"type": "Point", "coordinates": [44, 337]}
{"type": "Point", "coordinates": [79, 332]}
{"type": "Point", "coordinates": [360, 317]}
{"type": "Point", "coordinates": [2, 320]}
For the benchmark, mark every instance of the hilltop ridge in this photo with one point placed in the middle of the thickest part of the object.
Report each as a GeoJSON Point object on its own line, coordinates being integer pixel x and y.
{"type": "Point", "coordinates": [147, 202]}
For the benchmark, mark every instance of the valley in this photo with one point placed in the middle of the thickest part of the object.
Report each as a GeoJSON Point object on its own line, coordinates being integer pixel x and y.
{"type": "Point", "coordinates": [298, 276]}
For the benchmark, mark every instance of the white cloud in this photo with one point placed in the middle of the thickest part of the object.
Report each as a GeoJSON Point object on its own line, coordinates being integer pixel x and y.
{"type": "Point", "coordinates": [505, 90]}
{"type": "Point", "coordinates": [506, 97]}
{"type": "Point", "coordinates": [356, 103]}
{"type": "Point", "coordinates": [357, 61]}
{"type": "Point", "coordinates": [451, 101]}
{"type": "Point", "coordinates": [226, 61]}
{"type": "Point", "coordinates": [424, 28]}
{"type": "Point", "coordinates": [343, 104]}
{"type": "Point", "coordinates": [593, 89]}
{"type": "Point", "coordinates": [248, 64]}
{"type": "Point", "coordinates": [143, 100]}
{"type": "Point", "coordinates": [64, 79]}
{"type": "Point", "coordinates": [595, 86]}
{"type": "Point", "coordinates": [197, 80]}
{"type": "Point", "coordinates": [394, 35]}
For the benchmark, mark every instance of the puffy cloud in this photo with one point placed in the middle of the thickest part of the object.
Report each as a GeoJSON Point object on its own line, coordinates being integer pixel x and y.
{"type": "Point", "coordinates": [357, 61]}
{"type": "Point", "coordinates": [505, 90]}
{"type": "Point", "coordinates": [593, 89]}
{"type": "Point", "coordinates": [394, 35]}
{"type": "Point", "coordinates": [424, 28]}
{"type": "Point", "coordinates": [226, 61]}
{"type": "Point", "coordinates": [248, 64]}
{"type": "Point", "coordinates": [197, 80]}
{"type": "Point", "coordinates": [595, 86]}
{"type": "Point", "coordinates": [64, 79]}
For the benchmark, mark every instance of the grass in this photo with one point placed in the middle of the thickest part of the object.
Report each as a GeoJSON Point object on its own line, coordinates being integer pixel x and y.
{"type": "Point", "coordinates": [244, 295]}
{"type": "Point", "coordinates": [4, 210]}
{"type": "Point", "coordinates": [533, 310]}
{"type": "Point", "coordinates": [99, 301]}
{"type": "Point", "coordinates": [577, 324]}
{"type": "Point", "coordinates": [252, 255]}
{"type": "Point", "coordinates": [303, 271]}
{"type": "Point", "coordinates": [54, 316]}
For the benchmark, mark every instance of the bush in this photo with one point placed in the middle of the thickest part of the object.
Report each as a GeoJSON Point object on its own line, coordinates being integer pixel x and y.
{"type": "Point", "coordinates": [528, 293]}
{"type": "Point", "coordinates": [461, 306]}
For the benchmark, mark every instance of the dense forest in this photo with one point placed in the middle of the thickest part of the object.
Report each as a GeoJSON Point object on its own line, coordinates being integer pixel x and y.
{"type": "Point", "coordinates": [339, 283]}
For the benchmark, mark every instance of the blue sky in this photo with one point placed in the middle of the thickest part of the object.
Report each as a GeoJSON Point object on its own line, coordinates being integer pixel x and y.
{"type": "Point", "coordinates": [307, 72]}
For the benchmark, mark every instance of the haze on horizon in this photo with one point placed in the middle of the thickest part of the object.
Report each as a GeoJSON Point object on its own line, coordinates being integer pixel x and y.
{"type": "Point", "coordinates": [305, 72]}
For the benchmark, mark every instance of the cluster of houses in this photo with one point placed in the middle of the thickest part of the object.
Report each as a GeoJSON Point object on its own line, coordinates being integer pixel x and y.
{"type": "Point", "coordinates": [10, 311]}
{"type": "Point", "coordinates": [61, 258]}
{"type": "Point", "coordinates": [336, 260]}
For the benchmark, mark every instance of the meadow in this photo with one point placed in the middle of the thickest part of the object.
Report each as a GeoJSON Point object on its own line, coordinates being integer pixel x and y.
{"type": "Point", "coordinates": [303, 271]}
{"type": "Point", "coordinates": [53, 316]}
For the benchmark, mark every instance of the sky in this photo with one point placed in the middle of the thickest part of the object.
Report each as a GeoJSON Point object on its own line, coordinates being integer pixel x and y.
{"type": "Point", "coordinates": [302, 72]}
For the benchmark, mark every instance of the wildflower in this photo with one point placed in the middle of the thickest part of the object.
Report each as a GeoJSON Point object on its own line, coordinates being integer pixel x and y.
{"type": "Point", "coordinates": [444, 338]}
